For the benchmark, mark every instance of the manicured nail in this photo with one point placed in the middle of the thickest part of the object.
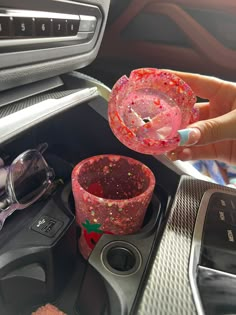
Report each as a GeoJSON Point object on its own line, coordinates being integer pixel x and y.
{"type": "Point", "coordinates": [172, 156]}
{"type": "Point", "coordinates": [189, 136]}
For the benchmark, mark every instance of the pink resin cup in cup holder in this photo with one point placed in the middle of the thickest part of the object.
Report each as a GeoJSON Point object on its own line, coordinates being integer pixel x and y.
{"type": "Point", "coordinates": [111, 194]}
{"type": "Point", "coordinates": [146, 110]}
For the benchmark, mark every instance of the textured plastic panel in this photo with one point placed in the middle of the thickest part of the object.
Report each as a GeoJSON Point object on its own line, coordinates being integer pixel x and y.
{"type": "Point", "coordinates": [15, 107]}
{"type": "Point", "coordinates": [29, 90]}
{"type": "Point", "coordinates": [75, 81]}
{"type": "Point", "coordinates": [168, 289]}
{"type": "Point", "coordinates": [13, 77]}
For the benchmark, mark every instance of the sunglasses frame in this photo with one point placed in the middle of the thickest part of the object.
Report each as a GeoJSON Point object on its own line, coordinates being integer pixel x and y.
{"type": "Point", "coordinates": [12, 203]}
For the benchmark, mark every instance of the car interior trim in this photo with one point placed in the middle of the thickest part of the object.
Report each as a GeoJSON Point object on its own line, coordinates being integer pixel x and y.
{"type": "Point", "coordinates": [22, 92]}
{"type": "Point", "coordinates": [50, 16]}
{"type": "Point", "coordinates": [196, 248]}
{"type": "Point", "coordinates": [192, 58]}
{"type": "Point", "coordinates": [219, 272]}
{"type": "Point", "coordinates": [213, 49]}
{"type": "Point", "coordinates": [27, 45]}
{"type": "Point", "coordinates": [41, 14]}
{"type": "Point", "coordinates": [22, 120]}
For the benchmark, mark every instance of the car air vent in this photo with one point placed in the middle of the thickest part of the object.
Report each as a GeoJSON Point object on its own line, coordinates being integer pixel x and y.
{"type": "Point", "coordinates": [220, 24]}
{"type": "Point", "coordinates": [156, 28]}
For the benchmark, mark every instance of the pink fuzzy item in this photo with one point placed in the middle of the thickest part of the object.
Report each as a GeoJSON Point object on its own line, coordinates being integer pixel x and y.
{"type": "Point", "coordinates": [48, 309]}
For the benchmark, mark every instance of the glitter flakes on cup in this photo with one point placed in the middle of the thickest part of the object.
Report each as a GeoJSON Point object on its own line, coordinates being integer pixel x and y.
{"type": "Point", "coordinates": [111, 194]}
{"type": "Point", "coordinates": [146, 110]}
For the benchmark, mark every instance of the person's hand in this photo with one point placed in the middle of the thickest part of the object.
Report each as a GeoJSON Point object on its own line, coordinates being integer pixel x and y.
{"type": "Point", "coordinates": [213, 137]}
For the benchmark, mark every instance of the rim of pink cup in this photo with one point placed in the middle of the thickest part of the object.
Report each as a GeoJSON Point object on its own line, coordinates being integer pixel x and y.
{"type": "Point", "coordinates": [77, 168]}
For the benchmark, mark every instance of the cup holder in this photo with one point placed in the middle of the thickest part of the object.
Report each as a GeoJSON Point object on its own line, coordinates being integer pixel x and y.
{"type": "Point", "coordinates": [152, 209]}
{"type": "Point", "coordinates": [121, 258]}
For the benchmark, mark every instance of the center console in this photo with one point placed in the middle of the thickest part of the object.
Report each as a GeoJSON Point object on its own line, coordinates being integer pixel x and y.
{"type": "Point", "coordinates": [111, 282]}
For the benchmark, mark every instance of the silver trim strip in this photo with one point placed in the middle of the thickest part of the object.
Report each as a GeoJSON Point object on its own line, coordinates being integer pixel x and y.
{"type": "Point", "coordinates": [41, 40]}
{"type": "Point", "coordinates": [22, 120]}
{"type": "Point", "coordinates": [196, 246]}
{"type": "Point", "coordinates": [87, 18]}
{"type": "Point", "coordinates": [219, 272]}
{"type": "Point", "coordinates": [38, 14]}
{"type": "Point", "coordinates": [103, 90]}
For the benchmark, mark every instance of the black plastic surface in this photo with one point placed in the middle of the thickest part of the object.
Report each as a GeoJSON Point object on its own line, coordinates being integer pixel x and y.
{"type": "Point", "coordinates": [23, 27]}
{"type": "Point", "coordinates": [217, 292]}
{"type": "Point", "coordinates": [5, 27]}
{"type": "Point", "coordinates": [121, 259]}
{"type": "Point", "coordinates": [219, 234]}
{"type": "Point", "coordinates": [42, 27]}
{"type": "Point", "coordinates": [32, 260]}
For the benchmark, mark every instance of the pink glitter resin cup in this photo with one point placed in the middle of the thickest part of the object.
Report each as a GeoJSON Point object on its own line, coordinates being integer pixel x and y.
{"type": "Point", "coordinates": [146, 110]}
{"type": "Point", "coordinates": [111, 194]}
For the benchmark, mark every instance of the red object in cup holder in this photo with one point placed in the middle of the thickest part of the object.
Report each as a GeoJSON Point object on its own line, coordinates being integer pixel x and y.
{"type": "Point", "coordinates": [111, 194]}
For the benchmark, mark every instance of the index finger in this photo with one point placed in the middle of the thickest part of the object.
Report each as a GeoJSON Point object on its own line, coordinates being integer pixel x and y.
{"type": "Point", "coordinates": [202, 85]}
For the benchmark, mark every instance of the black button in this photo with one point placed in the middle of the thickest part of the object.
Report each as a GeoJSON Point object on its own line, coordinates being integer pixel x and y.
{"type": "Point", "coordinates": [4, 26]}
{"type": "Point", "coordinates": [218, 249]}
{"type": "Point", "coordinates": [223, 201]}
{"type": "Point", "coordinates": [23, 26]}
{"type": "Point", "coordinates": [59, 27]}
{"type": "Point", "coordinates": [43, 27]}
{"type": "Point", "coordinates": [218, 230]}
{"type": "Point", "coordinates": [72, 27]}
{"type": "Point", "coordinates": [217, 217]}
{"type": "Point", "coordinates": [219, 245]}
{"type": "Point", "coordinates": [232, 202]}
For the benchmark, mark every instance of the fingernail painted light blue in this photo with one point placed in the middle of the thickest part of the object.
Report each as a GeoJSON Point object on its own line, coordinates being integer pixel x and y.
{"type": "Point", "coordinates": [184, 136]}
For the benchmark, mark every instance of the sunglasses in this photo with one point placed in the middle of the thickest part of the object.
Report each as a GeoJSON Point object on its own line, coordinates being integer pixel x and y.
{"type": "Point", "coordinates": [28, 178]}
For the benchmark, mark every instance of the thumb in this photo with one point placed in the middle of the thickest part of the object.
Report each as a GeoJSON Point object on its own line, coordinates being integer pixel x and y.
{"type": "Point", "coordinates": [210, 131]}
